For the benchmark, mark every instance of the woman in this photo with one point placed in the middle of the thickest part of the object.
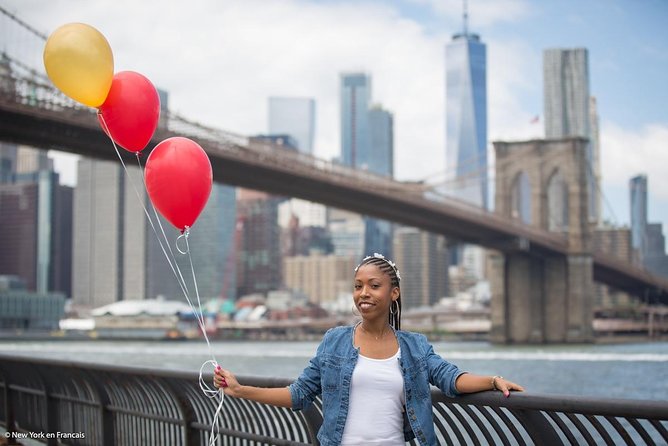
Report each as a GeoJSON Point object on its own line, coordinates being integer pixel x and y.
{"type": "Point", "coordinates": [374, 378]}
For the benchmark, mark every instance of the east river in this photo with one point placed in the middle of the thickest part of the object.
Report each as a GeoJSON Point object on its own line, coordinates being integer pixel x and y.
{"type": "Point", "coordinates": [635, 371]}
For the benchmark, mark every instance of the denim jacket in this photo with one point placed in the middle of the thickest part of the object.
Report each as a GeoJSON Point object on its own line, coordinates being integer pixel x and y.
{"type": "Point", "coordinates": [330, 371]}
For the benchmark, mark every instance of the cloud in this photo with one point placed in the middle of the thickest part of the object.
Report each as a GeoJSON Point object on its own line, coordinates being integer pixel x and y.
{"type": "Point", "coordinates": [514, 74]}
{"type": "Point", "coordinates": [626, 153]}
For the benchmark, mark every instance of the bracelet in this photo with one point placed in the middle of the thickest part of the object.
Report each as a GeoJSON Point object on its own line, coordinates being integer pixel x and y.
{"type": "Point", "coordinates": [494, 378]}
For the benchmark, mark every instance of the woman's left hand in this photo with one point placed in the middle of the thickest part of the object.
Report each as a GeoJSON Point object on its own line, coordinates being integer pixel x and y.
{"type": "Point", "coordinates": [505, 386]}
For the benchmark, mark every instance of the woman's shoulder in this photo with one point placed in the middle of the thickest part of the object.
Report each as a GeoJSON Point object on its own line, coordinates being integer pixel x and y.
{"type": "Point", "coordinates": [339, 331]}
{"type": "Point", "coordinates": [336, 333]}
{"type": "Point", "coordinates": [412, 335]}
{"type": "Point", "coordinates": [336, 339]}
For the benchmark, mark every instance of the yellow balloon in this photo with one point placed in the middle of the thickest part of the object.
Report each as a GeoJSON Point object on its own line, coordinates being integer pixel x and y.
{"type": "Point", "coordinates": [78, 60]}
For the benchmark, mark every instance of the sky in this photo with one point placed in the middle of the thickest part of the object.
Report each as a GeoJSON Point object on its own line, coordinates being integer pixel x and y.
{"type": "Point", "coordinates": [220, 61]}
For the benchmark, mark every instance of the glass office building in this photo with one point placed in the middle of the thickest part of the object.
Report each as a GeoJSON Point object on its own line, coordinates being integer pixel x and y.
{"type": "Point", "coordinates": [466, 118]}
{"type": "Point", "coordinates": [355, 137]}
{"type": "Point", "coordinates": [381, 156]}
{"type": "Point", "coordinates": [638, 189]}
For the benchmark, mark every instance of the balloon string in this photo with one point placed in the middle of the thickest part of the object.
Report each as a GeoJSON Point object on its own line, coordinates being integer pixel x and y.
{"type": "Point", "coordinates": [212, 393]}
{"type": "Point", "coordinates": [196, 310]}
{"type": "Point", "coordinates": [199, 303]}
{"type": "Point", "coordinates": [204, 386]}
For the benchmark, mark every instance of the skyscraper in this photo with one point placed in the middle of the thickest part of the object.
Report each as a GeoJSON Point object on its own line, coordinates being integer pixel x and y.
{"type": "Point", "coordinates": [259, 256]}
{"type": "Point", "coordinates": [423, 260]}
{"type": "Point", "coordinates": [381, 135]}
{"type": "Point", "coordinates": [568, 107]}
{"type": "Point", "coordinates": [355, 101]}
{"type": "Point", "coordinates": [566, 92]}
{"type": "Point", "coordinates": [367, 143]}
{"type": "Point", "coordinates": [36, 221]}
{"type": "Point", "coordinates": [466, 116]}
{"type": "Point", "coordinates": [638, 190]}
{"type": "Point", "coordinates": [647, 239]}
{"type": "Point", "coordinates": [109, 229]}
{"type": "Point", "coordinates": [656, 261]}
{"type": "Point", "coordinates": [294, 117]}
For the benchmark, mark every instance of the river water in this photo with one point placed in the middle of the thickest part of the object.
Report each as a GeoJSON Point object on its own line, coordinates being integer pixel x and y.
{"type": "Point", "coordinates": [629, 371]}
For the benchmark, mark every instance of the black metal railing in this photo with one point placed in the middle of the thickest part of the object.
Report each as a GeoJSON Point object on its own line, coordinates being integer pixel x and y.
{"type": "Point", "coordinates": [93, 404]}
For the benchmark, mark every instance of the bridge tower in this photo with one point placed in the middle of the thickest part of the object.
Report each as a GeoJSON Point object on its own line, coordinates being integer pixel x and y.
{"type": "Point", "coordinates": [546, 298]}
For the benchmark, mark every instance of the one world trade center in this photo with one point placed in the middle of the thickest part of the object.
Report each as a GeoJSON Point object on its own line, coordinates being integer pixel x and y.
{"type": "Point", "coordinates": [466, 118]}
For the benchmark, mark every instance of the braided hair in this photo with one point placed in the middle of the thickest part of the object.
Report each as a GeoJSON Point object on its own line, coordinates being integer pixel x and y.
{"type": "Point", "coordinates": [388, 267]}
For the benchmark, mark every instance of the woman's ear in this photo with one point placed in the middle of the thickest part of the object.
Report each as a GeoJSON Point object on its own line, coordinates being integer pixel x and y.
{"type": "Point", "coordinates": [395, 293]}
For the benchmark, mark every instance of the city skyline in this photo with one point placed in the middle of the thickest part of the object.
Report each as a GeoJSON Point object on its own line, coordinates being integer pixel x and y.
{"type": "Point", "coordinates": [399, 43]}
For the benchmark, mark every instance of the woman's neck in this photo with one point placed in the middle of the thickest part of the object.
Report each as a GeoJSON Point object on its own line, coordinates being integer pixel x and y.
{"type": "Point", "coordinates": [376, 329]}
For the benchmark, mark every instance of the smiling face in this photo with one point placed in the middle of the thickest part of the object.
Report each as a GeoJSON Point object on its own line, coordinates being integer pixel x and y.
{"type": "Point", "coordinates": [373, 293]}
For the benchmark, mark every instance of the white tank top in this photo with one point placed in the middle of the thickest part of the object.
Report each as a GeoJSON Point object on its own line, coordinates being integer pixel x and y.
{"type": "Point", "coordinates": [376, 402]}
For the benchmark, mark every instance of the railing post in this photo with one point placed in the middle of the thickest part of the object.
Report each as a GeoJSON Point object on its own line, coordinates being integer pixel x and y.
{"type": "Point", "coordinates": [191, 436]}
{"type": "Point", "coordinates": [51, 409]}
{"type": "Point", "coordinates": [539, 429]}
{"type": "Point", "coordinates": [51, 417]}
{"type": "Point", "coordinates": [106, 416]}
{"type": "Point", "coordinates": [313, 423]}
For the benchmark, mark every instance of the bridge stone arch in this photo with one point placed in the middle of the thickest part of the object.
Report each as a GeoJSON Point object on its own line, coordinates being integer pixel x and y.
{"type": "Point", "coordinates": [556, 208]}
{"type": "Point", "coordinates": [520, 198]}
{"type": "Point", "coordinates": [543, 299]}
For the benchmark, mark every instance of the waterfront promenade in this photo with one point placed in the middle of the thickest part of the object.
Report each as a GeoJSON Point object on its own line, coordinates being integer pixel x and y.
{"type": "Point", "coordinates": [107, 404]}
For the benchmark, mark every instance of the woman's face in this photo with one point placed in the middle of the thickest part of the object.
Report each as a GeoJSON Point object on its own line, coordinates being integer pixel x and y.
{"type": "Point", "coordinates": [373, 292]}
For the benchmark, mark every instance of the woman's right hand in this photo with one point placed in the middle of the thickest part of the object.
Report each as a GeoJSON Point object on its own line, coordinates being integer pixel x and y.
{"type": "Point", "coordinates": [226, 380]}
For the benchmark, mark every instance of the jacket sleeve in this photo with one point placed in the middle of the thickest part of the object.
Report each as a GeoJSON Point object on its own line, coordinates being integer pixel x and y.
{"type": "Point", "coordinates": [307, 387]}
{"type": "Point", "coordinates": [442, 374]}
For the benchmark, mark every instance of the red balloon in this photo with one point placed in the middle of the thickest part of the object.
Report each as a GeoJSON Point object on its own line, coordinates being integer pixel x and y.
{"type": "Point", "coordinates": [131, 111]}
{"type": "Point", "coordinates": [178, 180]}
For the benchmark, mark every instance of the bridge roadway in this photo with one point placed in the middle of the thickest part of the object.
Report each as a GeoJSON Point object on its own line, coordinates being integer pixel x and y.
{"type": "Point", "coordinates": [48, 123]}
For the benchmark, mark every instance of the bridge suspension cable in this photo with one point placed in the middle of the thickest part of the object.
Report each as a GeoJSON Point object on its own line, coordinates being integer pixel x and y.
{"type": "Point", "coordinates": [22, 42]}
{"type": "Point", "coordinates": [34, 31]}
